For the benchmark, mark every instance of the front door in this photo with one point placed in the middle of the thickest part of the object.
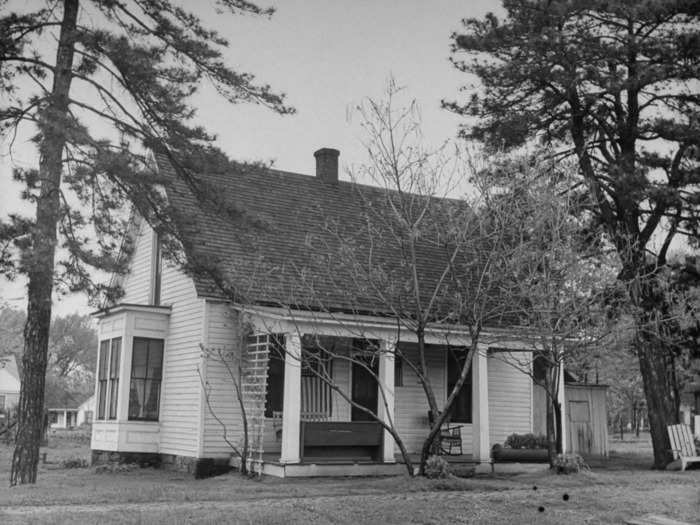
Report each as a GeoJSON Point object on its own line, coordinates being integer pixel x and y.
{"type": "Point", "coordinates": [364, 387]}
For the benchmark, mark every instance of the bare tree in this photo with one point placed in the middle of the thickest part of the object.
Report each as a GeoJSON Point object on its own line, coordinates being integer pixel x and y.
{"type": "Point", "coordinates": [555, 282]}
{"type": "Point", "coordinates": [426, 261]}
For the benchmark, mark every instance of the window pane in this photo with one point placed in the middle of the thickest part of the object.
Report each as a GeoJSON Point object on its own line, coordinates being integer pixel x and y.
{"type": "Point", "coordinates": [155, 359]}
{"type": "Point", "coordinates": [151, 399]}
{"type": "Point", "coordinates": [113, 393]}
{"type": "Point", "coordinates": [114, 362]}
{"type": "Point", "coordinates": [139, 361]}
{"type": "Point", "coordinates": [101, 398]}
{"type": "Point", "coordinates": [136, 393]}
{"type": "Point", "coordinates": [104, 359]}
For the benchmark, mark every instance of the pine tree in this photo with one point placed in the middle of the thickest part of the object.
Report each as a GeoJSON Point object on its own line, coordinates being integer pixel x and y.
{"type": "Point", "coordinates": [614, 84]}
{"type": "Point", "coordinates": [128, 68]}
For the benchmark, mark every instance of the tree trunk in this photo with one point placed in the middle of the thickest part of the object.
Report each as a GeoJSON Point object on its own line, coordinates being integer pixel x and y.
{"type": "Point", "coordinates": [655, 359]}
{"type": "Point", "coordinates": [653, 366]}
{"type": "Point", "coordinates": [558, 427]}
{"type": "Point", "coordinates": [40, 262]}
{"type": "Point", "coordinates": [551, 440]}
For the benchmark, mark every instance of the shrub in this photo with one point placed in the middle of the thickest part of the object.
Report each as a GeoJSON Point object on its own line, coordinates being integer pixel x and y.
{"type": "Point", "coordinates": [569, 464]}
{"type": "Point", "coordinates": [436, 468]}
{"type": "Point", "coordinates": [526, 441]}
{"type": "Point", "coordinates": [74, 463]}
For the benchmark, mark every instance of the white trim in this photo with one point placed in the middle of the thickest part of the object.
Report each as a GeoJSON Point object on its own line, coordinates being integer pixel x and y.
{"type": "Point", "coordinates": [386, 383]}
{"type": "Point", "coordinates": [282, 320]}
{"type": "Point", "coordinates": [126, 307]}
{"type": "Point", "coordinates": [291, 405]}
{"type": "Point", "coordinates": [481, 448]}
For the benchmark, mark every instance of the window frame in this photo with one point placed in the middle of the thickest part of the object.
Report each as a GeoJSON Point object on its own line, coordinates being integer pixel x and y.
{"type": "Point", "coordinates": [146, 378]}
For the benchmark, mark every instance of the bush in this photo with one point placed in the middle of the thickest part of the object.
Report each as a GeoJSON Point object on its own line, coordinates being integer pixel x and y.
{"type": "Point", "coordinates": [436, 468]}
{"type": "Point", "coordinates": [74, 463]}
{"type": "Point", "coordinates": [526, 441]}
{"type": "Point", "coordinates": [569, 464]}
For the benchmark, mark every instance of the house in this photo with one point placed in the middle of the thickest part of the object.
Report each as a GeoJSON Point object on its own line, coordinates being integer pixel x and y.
{"type": "Point", "coordinates": [162, 397]}
{"type": "Point", "coordinates": [9, 383]}
{"type": "Point", "coordinates": [67, 412]}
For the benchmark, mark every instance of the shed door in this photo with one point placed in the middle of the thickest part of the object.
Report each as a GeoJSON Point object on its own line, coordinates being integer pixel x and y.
{"type": "Point", "coordinates": [580, 424]}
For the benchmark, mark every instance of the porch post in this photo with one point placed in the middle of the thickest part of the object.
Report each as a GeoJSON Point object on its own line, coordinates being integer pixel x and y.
{"type": "Point", "coordinates": [386, 380]}
{"type": "Point", "coordinates": [291, 404]}
{"type": "Point", "coordinates": [480, 406]}
{"type": "Point", "coordinates": [561, 398]}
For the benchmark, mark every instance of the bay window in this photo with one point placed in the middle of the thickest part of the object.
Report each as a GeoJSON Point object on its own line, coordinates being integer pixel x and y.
{"type": "Point", "coordinates": [146, 375]}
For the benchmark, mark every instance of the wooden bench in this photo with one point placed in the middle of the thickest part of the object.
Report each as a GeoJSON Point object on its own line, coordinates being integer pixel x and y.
{"type": "Point", "coordinates": [683, 445]}
{"type": "Point", "coordinates": [341, 440]}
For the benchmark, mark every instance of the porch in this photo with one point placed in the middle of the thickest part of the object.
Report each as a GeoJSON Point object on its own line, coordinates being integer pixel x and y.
{"type": "Point", "coordinates": [303, 426]}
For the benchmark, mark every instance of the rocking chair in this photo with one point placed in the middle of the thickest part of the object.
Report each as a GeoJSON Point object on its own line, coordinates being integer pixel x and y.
{"type": "Point", "coordinates": [449, 439]}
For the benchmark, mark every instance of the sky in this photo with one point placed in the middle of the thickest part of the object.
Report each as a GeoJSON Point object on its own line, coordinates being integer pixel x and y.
{"type": "Point", "coordinates": [326, 56]}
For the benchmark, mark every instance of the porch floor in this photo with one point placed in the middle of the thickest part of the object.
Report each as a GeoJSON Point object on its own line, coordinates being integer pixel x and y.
{"type": "Point", "coordinates": [324, 466]}
{"type": "Point", "coordinates": [273, 457]}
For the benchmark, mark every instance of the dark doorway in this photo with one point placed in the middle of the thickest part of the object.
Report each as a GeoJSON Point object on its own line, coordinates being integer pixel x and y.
{"type": "Point", "coordinates": [364, 387]}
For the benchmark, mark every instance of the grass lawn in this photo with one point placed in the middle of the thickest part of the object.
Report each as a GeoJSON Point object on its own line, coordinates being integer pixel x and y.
{"type": "Point", "coordinates": [619, 489]}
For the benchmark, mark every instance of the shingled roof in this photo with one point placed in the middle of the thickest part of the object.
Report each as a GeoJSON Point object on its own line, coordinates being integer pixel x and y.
{"type": "Point", "coordinates": [281, 238]}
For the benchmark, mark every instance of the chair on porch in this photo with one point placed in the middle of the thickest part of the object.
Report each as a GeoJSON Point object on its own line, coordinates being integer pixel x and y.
{"type": "Point", "coordinates": [449, 440]}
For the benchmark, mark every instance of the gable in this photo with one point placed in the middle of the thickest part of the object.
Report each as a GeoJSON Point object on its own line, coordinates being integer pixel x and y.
{"type": "Point", "coordinates": [137, 281]}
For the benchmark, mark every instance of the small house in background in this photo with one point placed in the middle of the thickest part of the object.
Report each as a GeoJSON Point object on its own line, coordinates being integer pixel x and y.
{"type": "Point", "coordinates": [68, 412]}
{"type": "Point", "coordinates": [9, 383]}
{"type": "Point", "coordinates": [86, 411]}
{"type": "Point", "coordinates": [586, 414]}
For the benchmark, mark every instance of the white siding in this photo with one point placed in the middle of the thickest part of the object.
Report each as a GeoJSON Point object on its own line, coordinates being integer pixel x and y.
{"type": "Point", "coordinates": [181, 390]}
{"type": "Point", "coordinates": [411, 408]}
{"type": "Point", "coordinates": [510, 396]}
{"type": "Point", "coordinates": [137, 282]}
{"type": "Point", "coordinates": [222, 401]}
{"type": "Point", "coordinates": [179, 419]}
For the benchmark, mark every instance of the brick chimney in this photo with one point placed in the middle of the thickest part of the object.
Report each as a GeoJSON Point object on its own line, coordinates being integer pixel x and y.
{"type": "Point", "coordinates": [327, 164]}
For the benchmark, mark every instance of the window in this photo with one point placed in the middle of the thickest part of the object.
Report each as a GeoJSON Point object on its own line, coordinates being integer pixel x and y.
{"type": "Point", "coordinates": [146, 374]}
{"type": "Point", "coordinates": [462, 408]}
{"type": "Point", "coordinates": [108, 378]}
{"type": "Point", "coordinates": [316, 370]}
{"type": "Point", "coordinates": [398, 371]}
{"type": "Point", "coordinates": [114, 377]}
{"type": "Point", "coordinates": [157, 270]}
{"type": "Point", "coordinates": [274, 396]}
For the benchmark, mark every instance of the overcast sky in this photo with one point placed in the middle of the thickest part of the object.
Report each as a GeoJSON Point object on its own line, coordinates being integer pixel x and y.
{"type": "Point", "coordinates": [326, 56]}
